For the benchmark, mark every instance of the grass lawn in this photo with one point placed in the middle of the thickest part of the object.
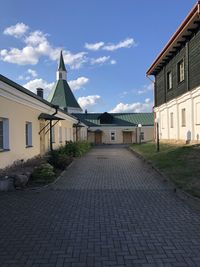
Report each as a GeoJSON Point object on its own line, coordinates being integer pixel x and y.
{"type": "Point", "coordinates": [181, 163]}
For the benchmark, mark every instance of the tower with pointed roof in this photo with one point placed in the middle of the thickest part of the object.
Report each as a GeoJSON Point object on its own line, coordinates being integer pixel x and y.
{"type": "Point", "coordinates": [61, 94]}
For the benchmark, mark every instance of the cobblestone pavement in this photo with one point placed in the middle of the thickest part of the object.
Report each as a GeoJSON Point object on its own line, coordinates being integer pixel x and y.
{"type": "Point", "coordinates": [108, 209]}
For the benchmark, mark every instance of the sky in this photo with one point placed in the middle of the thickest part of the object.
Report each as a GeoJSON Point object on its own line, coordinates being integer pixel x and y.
{"type": "Point", "coordinates": [108, 45]}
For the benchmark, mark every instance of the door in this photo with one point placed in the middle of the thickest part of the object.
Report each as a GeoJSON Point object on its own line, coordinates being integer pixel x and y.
{"type": "Point", "coordinates": [98, 138]}
{"type": "Point", "coordinates": [127, 137]}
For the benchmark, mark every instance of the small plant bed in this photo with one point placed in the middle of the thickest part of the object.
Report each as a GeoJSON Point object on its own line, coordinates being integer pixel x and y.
{"type": "Point", "coordinates": [181, 163]}
{"type": "Point", "coordinates": [44, 170]}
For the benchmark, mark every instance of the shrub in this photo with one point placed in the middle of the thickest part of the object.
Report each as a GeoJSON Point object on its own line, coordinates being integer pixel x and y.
{"type": "Point", "coordinates": [43, 173]}
{"type": "Point", "coordinates": [76, 149]}
{"type": "Point", "coordinates": [59, 159]}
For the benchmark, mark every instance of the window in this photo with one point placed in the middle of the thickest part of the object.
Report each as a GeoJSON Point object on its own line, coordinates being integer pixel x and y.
{"type": "Point", "coordinates": [28, 132]}
{"type": "Point", "coordinates": [169, 80]}
{"type": "Point", "coordinates": [142, 136]}
{"type": "Point", "coordinates": [181, 71]}
{"type": "Point", "coordinates": [183, 117]}
{"type": "Point", "coordinates": [60, 134]}
{"type": "Point", "coordinates": [4, 134]}
{"type": "Point", "coordinates": [198, 113]}
{"type": "Point", "coordinates": [112, 136]}
{"type": "Point", "coordinates": [65, 134]}
{"type": "Point", "coordinates": [171, 120]}
{"type": "Point", "coordinates": [53, 134]}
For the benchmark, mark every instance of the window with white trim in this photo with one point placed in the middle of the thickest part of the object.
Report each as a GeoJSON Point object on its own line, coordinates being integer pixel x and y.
{"type": "Point", "coordinates": [198, 113]}
{"type": "Point", "coordinates": [28, 133]}
{"type": "Point", "coordinates": [60, 134]}
{"type": "Point", "coordinates": [142, 136]}
{"type": "Point", "coordinates": [4, 134]}
{"type": "Point", "coordinates": [53, 134]}
{"type": "Point", "coordinates": [169, 80]}
{"type": "Point", "coordinates": [112, 136]}
{"type": "Point", "coordinates": [171, 120]}
{"type": "Point", "coordinates": [183, 117]}
{"type": "Point", "coordinates": [181, 71]}
{"type": "Point", "coordinates": [65, 134]}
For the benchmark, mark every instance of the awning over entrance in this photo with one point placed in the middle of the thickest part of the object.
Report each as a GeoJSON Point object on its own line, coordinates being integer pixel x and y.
{"type": "Point", "coordinates": [48, 117]}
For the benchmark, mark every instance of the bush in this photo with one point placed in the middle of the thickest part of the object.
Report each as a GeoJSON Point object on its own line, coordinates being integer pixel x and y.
{"type": "Point", "coordinates": [76, 149]}
{"type": "Point", "coordinates": [43, 173]}
{"type": "Point", "coordinates": [59, 159]}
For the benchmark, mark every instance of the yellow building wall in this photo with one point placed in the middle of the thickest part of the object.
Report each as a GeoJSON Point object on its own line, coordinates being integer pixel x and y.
{"type": "Point", "coordinates": [18, 114]}
{"type": "Point", "coordinates": [106, 134]}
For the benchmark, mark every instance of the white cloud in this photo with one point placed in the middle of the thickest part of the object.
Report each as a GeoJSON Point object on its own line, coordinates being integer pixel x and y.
{"type": "Point", "coordinates": [37, 45]}
{"type": "Point", "coordinates": [134, 107]}
{"type": "Point", "coordinates": [24, 56]}
{"type": "Point", "coordinates": [17, 30]}
{"type": "Point", "coordinates": [78, 83]}
{"type": "Point", "coordinates": [127, 43]}
{"type": "Point", "coordinates": [87, 101]}
{"type": "Point", "coordinates": [35, 38]}
{"type": "Point", "coordinates": [39, 83]}
{"type": "Point", "coordinates": [95, 46]}
{"type": "Point", "coordinates": [146, 88]}
{"type": "Point", "coordinates": [113, 62]}
{"type": "Point", "coordinates": [33, 73]}
{"type": "Point", "coordinates": [100, 60]}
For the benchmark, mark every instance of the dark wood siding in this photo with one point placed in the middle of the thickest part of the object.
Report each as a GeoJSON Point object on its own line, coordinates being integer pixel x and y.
{"type": "Point", "coordinates": [190, 53]}
{"type": "Point", "coordinates": [160, 88]}
{"type": "Point", "coordinates": [194, 61]}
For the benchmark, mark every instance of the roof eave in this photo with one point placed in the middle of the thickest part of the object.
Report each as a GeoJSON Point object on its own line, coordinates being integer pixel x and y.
{"type": "Point", "coordinates": [194, 12]}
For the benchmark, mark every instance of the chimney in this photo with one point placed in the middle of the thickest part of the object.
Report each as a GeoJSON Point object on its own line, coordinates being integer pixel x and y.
{"type": "Point", "coordinates": [40, 92]}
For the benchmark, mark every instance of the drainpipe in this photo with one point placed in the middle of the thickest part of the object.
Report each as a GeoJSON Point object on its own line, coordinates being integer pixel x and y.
{"type": "Point", "coordinates": [51, 136]}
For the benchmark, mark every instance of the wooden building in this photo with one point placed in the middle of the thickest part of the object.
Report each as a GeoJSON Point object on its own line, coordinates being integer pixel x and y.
{"type": "Point", "coordinates": [177, 82]}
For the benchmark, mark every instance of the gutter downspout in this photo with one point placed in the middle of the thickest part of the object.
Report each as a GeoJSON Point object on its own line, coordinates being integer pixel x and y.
{"type": "Point", "coordinates": [51, 126]}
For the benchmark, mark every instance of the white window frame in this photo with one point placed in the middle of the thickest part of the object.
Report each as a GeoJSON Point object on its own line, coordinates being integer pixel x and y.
{"type": "Point", "coordinates": [60, 134]}
{"type": "Point", "coordinates": [53, 134]}
{"type": "Point", "coordinates": [28, 134]}
{"type": "Point", "coordinates": [113, 133]}
{"type": "Point", "coordinates": [181, 71]}
{"type": "Point", "coordinates": [198, 113]}
{"type": "Point", "coordinates": [169, 80]}
{"type": "Point", "coordinates": [5, 134]}
{"type": "Point", "coordinates": [65, 133]}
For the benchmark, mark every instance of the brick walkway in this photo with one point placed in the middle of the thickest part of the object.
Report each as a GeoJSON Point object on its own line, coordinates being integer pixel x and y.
{"type": "Point", "coordinates": [107, 210]}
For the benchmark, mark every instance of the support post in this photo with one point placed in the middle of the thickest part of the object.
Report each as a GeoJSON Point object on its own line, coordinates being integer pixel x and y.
{"type": "Point", "coordinates": [51, 137]}
{"type": "Point", "coordinates": [158, 141]}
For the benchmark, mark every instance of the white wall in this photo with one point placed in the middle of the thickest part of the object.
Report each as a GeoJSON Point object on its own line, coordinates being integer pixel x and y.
{"type": "Point", "coordinates": [190, 101]}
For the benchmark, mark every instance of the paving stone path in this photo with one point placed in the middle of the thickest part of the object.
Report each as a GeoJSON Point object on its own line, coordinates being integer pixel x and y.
{"type": "Point", "coordinates": [109, 209]}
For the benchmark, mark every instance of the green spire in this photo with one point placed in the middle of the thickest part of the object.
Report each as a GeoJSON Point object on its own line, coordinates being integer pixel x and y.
{"type": "Point", "coordinates": [61, 66]}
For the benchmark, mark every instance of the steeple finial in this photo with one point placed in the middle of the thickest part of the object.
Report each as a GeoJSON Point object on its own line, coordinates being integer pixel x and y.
{"type": "Point", "coordinates": [61, 65]}
{"type": "Point", "coordinates": [61, 72]}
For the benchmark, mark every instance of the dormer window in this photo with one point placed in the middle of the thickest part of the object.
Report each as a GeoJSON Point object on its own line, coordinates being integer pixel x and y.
{"type": "Point", "coordinates": [181, 71]}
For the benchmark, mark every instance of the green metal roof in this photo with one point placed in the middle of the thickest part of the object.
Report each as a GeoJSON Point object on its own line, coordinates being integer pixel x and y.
{"type": "Point", "coordinates": [119, 119]}
{"type": "Point", "coordinates": [62, 95]}
{"type": "Point", "coordinates": [61, 65]}
{"type": "Point", "coordinates": [28, 92]}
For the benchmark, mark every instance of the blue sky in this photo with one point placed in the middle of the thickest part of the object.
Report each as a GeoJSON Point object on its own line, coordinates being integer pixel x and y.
{"type": "Point", "coordinates": [108, 45]}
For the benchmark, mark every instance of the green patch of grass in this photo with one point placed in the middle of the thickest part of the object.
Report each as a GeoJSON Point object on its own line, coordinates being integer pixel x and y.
{"type": "Point", "coordinates": [181, 163]}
